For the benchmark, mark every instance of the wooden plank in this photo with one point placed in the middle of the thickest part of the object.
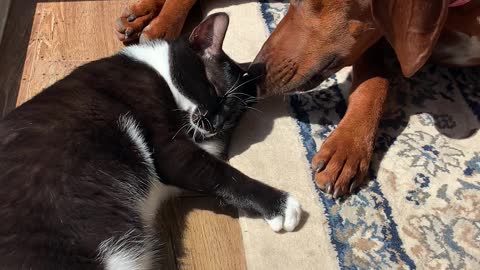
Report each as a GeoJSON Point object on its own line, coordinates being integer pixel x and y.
{"type": "Point", "coordinates": [65, 35]}
{"type": "Point", "coordinates": [43, 75]}
{"type": "Point", "coordinates": [205, 234]}
{"type": "Point", "coordinates": [164, 226]}
{"type": "Point", "coordinates": [77, 30]}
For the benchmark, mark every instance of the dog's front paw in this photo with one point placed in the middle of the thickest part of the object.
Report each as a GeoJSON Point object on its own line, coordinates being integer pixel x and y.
{"type": "Point", "coordinates": [289, 216]}
{"type": "Point", "coordinates": [342, 163]}
{"type": "Point", "coordinates": [146, 20]}
{"type": "Point", "coordinates": [136, 18]}
{"type": "Point", "coordinates": [162, 27]}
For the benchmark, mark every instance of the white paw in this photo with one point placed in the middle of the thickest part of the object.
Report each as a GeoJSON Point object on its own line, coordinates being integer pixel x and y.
{"type": "Point", "coordinates": [290, 218]}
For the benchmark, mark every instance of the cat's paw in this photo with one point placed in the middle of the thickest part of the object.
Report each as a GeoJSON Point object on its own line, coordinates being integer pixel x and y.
{"type": "Point", "coordinates": [290, 217]}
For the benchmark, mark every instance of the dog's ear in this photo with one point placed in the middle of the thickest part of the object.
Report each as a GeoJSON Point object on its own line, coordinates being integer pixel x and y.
{"type": "Point", "coordinates": [412, 27]}
{"type": "Point", "coordinates": [207, 38]}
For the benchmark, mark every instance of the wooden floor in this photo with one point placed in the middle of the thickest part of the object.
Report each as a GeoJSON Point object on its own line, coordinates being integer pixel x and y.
{"type": "Point", "coordinates": [43, 41]}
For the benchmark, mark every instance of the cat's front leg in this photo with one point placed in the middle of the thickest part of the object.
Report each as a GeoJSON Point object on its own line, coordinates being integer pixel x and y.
{"type": "Point", "coordinates": [182, 163]}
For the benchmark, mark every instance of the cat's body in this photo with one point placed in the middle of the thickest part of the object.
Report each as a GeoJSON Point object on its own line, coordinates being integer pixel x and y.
{"type": "Point", "coordinates": [85, 164]}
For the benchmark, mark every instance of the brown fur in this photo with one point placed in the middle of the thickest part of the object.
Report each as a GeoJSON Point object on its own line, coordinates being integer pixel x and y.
{"type": "Point", "coordinates": [153, 19]}
{"type": "Point", "coordinates": [318, 37]}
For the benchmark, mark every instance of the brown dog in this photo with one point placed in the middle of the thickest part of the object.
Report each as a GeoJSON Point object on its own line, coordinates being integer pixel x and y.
{"type": "Point", "coordinates": [319, 37]}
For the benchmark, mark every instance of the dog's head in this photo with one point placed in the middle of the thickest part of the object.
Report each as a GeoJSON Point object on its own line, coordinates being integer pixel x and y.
{"type": "Point", "coordinates": [316, 38]}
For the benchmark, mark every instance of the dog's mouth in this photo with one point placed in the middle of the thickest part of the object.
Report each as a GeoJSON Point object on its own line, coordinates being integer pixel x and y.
{"type": "Point", "coordinates": [277, 80]}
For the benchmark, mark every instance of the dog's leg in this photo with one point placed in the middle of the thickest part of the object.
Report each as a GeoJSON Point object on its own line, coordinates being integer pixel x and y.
{"type": "Point", "coordinates": [343, 160]}
{"type": "Point", "coordinates": [152, 19]}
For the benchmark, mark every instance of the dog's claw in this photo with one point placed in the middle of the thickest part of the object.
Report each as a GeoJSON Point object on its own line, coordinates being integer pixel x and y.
{"type": "Point", "coordinates": [131, 18]}
{"type": "Point", "coordinates": [129, 32]}
{"type": "Point", "coordinates": [335, 194]}
{"type": "Point", "coordinates": [329, 187]}
{"type": "Point", "coordinates": [320, 166]}
{"type": "Point", "coordinates": [353, 186]}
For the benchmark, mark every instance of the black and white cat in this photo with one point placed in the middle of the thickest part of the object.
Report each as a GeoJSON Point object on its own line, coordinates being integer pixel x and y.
{"type": "Point", "coordinates": [85, 164]}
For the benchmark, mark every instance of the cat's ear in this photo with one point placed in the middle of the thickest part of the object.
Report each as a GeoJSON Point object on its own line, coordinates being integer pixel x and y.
{"type": "Point", "coordinates": [207, 38]}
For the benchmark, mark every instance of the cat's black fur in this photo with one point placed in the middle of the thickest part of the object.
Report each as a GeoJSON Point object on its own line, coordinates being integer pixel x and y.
{"type": "Point", "coordinates": [72, 179]}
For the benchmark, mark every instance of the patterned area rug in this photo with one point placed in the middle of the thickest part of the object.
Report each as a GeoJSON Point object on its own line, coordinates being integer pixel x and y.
{"type": "Point", "coordinates": [421, 208]}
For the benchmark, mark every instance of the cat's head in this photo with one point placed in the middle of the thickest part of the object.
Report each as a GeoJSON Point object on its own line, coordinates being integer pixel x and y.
{"type": "Point", "coordinates": [217, 89]}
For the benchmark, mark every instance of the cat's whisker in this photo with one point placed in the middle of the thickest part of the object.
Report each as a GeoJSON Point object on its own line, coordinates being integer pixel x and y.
{"type": "Point", "coordinates": [209, 124]}
{"type": "Point", "coordinates": [252, 79]}
{"type": "Point", "coordinates": [195, 135]}
{"type": "Point", "coordinates": [190, 127]}
{"type": "Point", "coordinates": [247, 100]}
{"type": "Point", "coordinates": [233, 86]}
{"type": "Point", "coordinates": [231, 89]}
{"type": "Point", "coordinates": [254, 109]}
{"type": "Point", "coordinates": [253, 99]}
{"type": "Point", "coordinates": [243, 94]}
{"type": "Point", "coordinates": [241, 100]}
{"type": "Point", "coordinates": [201, 126]}
{"type": "Point", "coordinates": [182, 127]}
{"type": "Point", "coordinates": [246, 97]}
